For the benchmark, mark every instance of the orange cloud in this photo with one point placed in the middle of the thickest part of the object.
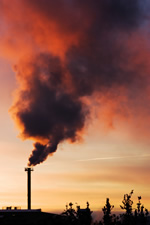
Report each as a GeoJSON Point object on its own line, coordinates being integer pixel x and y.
{"type": "Point", "coordinates": [74, 61]}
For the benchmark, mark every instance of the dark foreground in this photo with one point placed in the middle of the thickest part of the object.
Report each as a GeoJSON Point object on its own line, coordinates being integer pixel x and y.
{"type": "Point", "coordinates": [132, 215]}
{"type": "Point", "coordinates": [36, 217]}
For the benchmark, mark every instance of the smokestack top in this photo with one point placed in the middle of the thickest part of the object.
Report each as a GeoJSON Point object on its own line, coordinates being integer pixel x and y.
{"type": "Point", "coordinates": [29, 169]}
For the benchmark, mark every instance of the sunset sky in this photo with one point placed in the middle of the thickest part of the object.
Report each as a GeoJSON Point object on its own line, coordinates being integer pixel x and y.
{"type": "Point", "coordinates": [75, 102]}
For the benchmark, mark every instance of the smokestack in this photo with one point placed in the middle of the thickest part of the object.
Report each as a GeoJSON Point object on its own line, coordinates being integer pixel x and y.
{"type": "Point", "coordinates": [29, 169]}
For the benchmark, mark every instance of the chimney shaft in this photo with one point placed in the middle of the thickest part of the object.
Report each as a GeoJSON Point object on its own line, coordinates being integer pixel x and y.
{"type": "Point", "coordinates": [28, 169]}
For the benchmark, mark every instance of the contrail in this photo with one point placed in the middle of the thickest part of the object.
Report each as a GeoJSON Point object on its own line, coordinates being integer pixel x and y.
{"type": "Point", "coordinates": [111, 158]}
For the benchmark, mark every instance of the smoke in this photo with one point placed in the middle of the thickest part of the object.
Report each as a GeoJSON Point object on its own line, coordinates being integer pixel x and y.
{"type": "Point", "coordinates": [71, 50]}
{"type": "Point", "coordinates": [49, 111]}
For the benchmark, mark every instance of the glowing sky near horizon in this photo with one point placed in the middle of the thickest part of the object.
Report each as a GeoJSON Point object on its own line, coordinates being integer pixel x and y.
{"type": "Point", "coordinates": [113, 156]}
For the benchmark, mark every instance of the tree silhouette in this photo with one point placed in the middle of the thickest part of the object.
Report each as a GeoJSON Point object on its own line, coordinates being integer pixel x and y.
{"type": "Point", "coordinates": [140, 216]}
{"type": "Point", "coordinates": [127, 203]}
{"type": "Point", "coordinates": [79, 216]}
{"type": "Point", "coordinates": [71, 215]}
{"type": "Point", "coordinates": [107, 218]}
{"type": "Point", "coordinates": [132, 216]}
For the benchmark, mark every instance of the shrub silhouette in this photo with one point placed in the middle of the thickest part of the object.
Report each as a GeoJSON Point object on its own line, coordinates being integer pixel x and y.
{"type": "Point", "coordinates": [79, 216]}
{"type": "Point", "coordinates": [139, 217]}
{"type": "Point", "coordinates": [127, 203]}
{"type": "Point", "coordinates": [70, 214]}
{"type": "Point", "coordinates": [131, 216]}
{"type": "Point", "coordinates": [107, 218]}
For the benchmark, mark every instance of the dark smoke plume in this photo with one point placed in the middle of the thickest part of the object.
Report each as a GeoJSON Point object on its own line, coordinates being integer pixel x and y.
{"type": "Point", "coordinates": [51, 112]}
{"type": "Point", "coordinates": [96, 59]}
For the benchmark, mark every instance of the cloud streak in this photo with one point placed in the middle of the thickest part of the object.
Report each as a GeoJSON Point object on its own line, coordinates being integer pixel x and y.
{"type": "Point", "coordinates": [115, 158]}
